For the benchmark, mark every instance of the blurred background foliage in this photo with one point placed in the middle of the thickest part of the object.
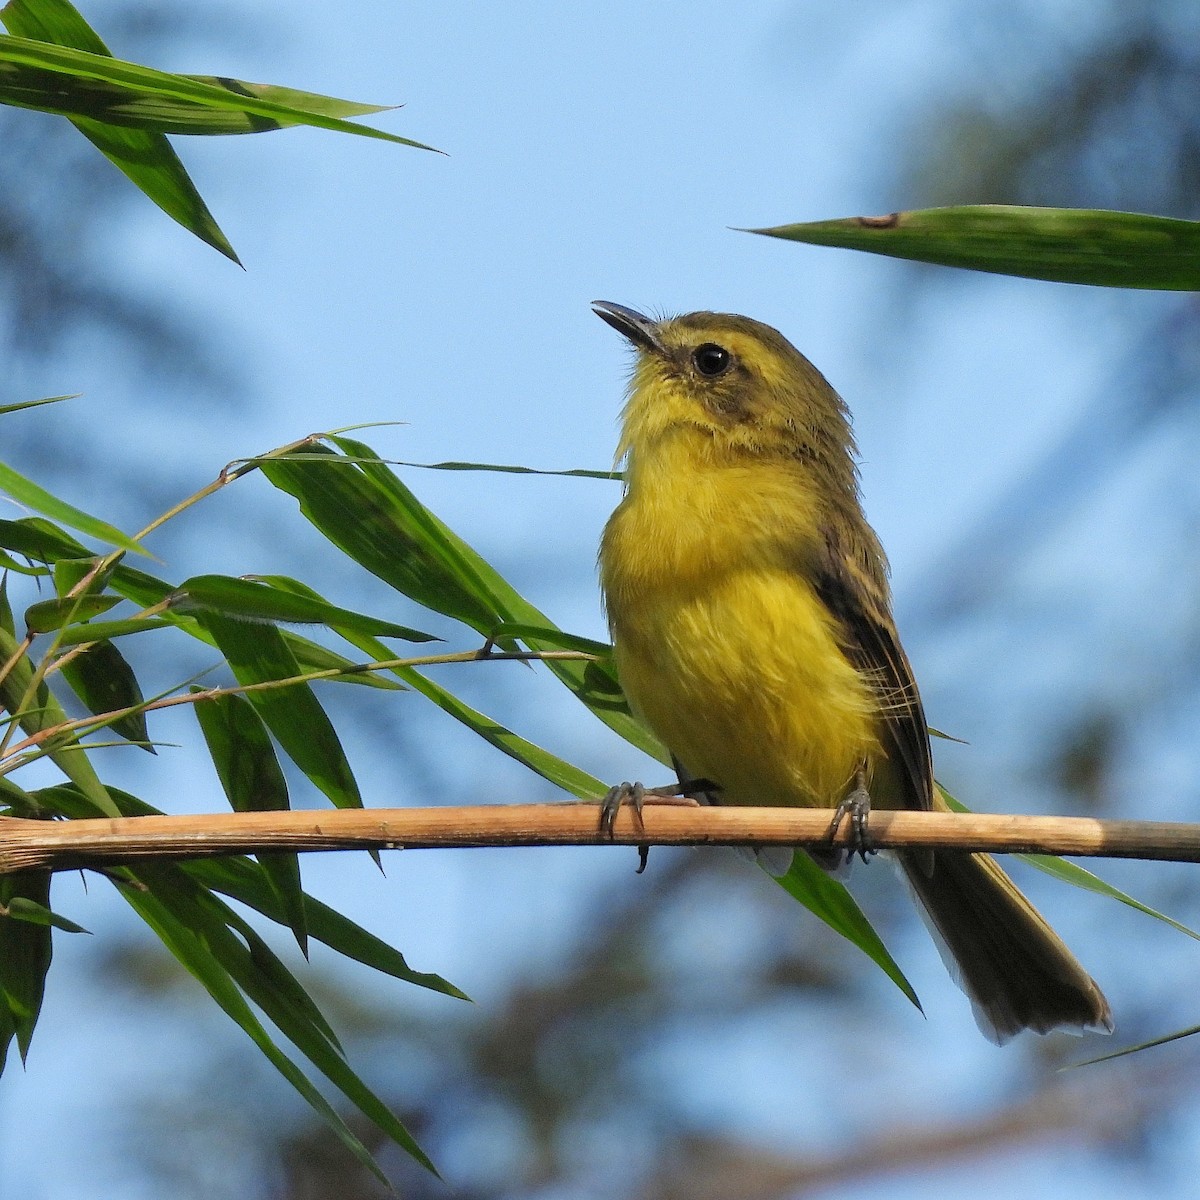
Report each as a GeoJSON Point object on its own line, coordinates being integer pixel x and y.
{"type": "Point", "coordinates": [571, 1080]}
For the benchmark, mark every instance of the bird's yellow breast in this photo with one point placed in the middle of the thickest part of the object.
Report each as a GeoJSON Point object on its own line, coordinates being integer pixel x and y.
{"type": "Point", "coordinates": [723, 646]}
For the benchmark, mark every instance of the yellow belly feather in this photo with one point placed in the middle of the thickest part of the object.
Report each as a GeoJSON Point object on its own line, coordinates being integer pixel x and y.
{"type": "Point", "coordinates": [723, 647]}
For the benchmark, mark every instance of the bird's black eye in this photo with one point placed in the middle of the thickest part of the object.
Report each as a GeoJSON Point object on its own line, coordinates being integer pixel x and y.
{"type": "Point", "coordinates": [711, 360]}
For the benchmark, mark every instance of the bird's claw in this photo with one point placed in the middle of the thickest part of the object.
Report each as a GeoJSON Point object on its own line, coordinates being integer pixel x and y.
{"type": "Point", "coordinates": [856, 806]}
{"type": "Point", "coordinates": [624, 793]}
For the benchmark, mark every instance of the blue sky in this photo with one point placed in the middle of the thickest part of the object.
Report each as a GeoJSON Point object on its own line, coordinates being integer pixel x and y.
{"type": "Point", "coordinates": [593, 152]}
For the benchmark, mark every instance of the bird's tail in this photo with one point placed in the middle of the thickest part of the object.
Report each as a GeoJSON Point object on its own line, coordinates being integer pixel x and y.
{"type": "Point", "coordinates": [1014, 968]}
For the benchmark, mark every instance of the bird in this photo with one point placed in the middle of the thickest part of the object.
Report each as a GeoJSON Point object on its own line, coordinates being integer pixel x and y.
{"type": "Point", "coordinates": [750, 609]}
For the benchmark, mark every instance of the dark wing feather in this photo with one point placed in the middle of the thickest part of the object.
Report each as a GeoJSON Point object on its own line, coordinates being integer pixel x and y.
{"type": "Point", "coordinates": [856, 593]}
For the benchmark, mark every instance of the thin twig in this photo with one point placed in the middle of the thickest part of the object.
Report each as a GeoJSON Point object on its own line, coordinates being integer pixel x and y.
{"type": "Point", "coordinates": [60, 845]}
{"type": "Point", "coordinates": [65, 730]}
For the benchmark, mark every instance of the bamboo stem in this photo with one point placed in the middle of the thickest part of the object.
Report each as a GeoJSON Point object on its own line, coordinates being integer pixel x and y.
{"type": "Point", "coordinates": [61, 845]}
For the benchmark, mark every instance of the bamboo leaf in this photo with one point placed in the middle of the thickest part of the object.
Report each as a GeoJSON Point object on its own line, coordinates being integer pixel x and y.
{"type": "Point", "coordinates": [1067, 245]}
{"type": "Point", "coordinates": [1077, 876]}
{"type": "Point", "coordinates": [137, 81]}
{"type": "Point", "coordinates": [104, 631]}
{"type": "Point", "coordinates": [47, 615]}
{"type": "Point", "coordinates": [264, 600]}
{"type": "Point", "coordinates": [25, 953]}
{"type": "Point", "coordinates": [190, 924]}
{"type": "Point", "coordinates": [259, 653]}
{"type": "Point", "coordinates": [365, 510]}
{"type": "Point", "coordinates": [21, 908]}
{"type": "Point", "coordinates": [828, 899]}
{"type": "Point", "coordinates": [12, 408]}
{"type": "Point", "coordinates": [243, 880]}
{"type": "Point", "coordinates": [105, 682]}
{"type": "Point", "coordinates": [250, 775]}
{"type": "Point", "coordinates": [37, 710]}
{"type": "Point", "coordinates": [574, 473]}
{"type": "Point", "coordinates": [145, 157]}
{"type": "Point", "coordinates": [28, 493]}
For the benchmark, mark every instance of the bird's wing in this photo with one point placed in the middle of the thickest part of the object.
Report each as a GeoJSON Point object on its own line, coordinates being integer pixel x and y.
{"type": "Point", "coordinates": [858, 599]}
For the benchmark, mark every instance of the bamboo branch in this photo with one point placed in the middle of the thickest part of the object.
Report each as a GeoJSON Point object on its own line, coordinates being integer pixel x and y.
{"type": "Point", "coordinates": [62, 845]}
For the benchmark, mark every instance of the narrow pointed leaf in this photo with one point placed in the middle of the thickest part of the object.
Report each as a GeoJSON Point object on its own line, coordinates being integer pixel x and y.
{"type": "Point", "coordinates": [12, 408]}
{"type": "Point", "coordinates": [46, 615]}
{"type": "Point", "coordinates": [25, 952]}
{"type": "Point", "coordinates": [242, 879]}
{"type": "Point", "coordinates": [250, 775]}
{"type": "Point", "coordinates": [553, 638]}
{"type": "Point", "coordinates": [1081, 877]}
{"type": "Point", "coordinates": [1067, 245]}
{"type": "Point", "coordinates": [145, 157]}
{"type": "Point", "coordinates": [259, 653]}
{"type": "Point", "coordinates": [1178, 1035]}
{"type": "Point", "coordinates": [73, 64]}
{"type": "Point", "coordinates": [365, 510]}
{"type": "Point", "coordinates": [26, 492]}
{"type": "Point", "coordinates": [7, 622]}
{"type": "Point", "coordinates": [1077, 876]}
{"type": "Point", "coordinates": [103, 631]}
{"type": "Point", "coordinates": [37, 710]}
{"type": "Point", "coordinates": [237, 878]}
{"type": "Point", "coordinates": [21, 908]}
{"type": "Point", "coordinates": [574, 473]}
{"type": "Point", "coordinates": [539, 760]}
{"type": "Point", "coordinates": [829, 900]}
{"type": "Point", "coordinates": [261, 600]}
{"type": "Point", "coordinates": [40, 540]}
{"type": "Point", "coordinates": [105, 682]}
{"type": "Point", "coordinates": [210, 953]}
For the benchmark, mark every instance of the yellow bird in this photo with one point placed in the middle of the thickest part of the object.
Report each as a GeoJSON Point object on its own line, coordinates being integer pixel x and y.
{"type": "Point", "coordinates": [751, 615]}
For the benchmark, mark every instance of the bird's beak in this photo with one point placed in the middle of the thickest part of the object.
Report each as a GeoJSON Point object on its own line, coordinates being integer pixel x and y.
{"type": "Point", "coordinates": [640, 330]}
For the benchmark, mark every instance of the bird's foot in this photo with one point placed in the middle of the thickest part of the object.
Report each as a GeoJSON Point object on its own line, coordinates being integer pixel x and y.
{"type": "Point", "coordinates": [638, 796]}
{"type": "Point", "coordinates": [856, 806]}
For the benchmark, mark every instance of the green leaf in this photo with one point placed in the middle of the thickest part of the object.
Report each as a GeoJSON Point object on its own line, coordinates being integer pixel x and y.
{"type": "Point", "coordinates": [26, 492]}
{"type": "Point", "coordinates": [89, 575]}
{"type": "Point", "coordinates": [830, 901]}
{"type": "Point", "coordinates": [40, 540]}
{"type": "Point", "coordinates": [12, 408]}
{"type": "Point", "coordinates": [55, 21]}
{"type": "Point", "coordinates": [18, 802]}
{"type": "Point", "coordinates": [7, 623]}
{"type": "Point", "coordinates": [552, 638]}
{"type": "Point", "coordinates": [359, 513]}
{"type": "Point", "coordinates": [259, 653]}
{"type": "Point", "coordinates": [243, 880]}
{"type": "Point", "coordinates": [1077, 876]}
{"type": "Point", "coordinates": [575, 473]}
{"type": "Point", "coordinates": [47, 615]}
{"type": "Point", "coordinates": [103, 631]}
{"type": "Point", "coordinates": [365, 510]}
{"type": "Point", "coordinates": [104, 681]}
{"type": "Point", "coordinates": [37, 710]}
{"type": "Point", "coordinates": [539, 760]}
{"type": "Point", "coordinates": [25, 952]}
{"type": "Point", "coordinates": [192, 924]}
{"type": "Point", "coordinates": [1067, 245]}
{"type": "Point", "coordinates": [238, 878]}
{"type": "Point", "coordinates": [263, 600]}
{"type": "Point", "coordinates": [1158, 1041]}
{"type": "Point", "coordinates": [145, 157]}
{"type": "Point", "coordinates": [21, 908]}
{"type": "Point", "coordinates": [253, 781]}
{"type": "Point", "coordinates": [310, 656]}
{"type": "Point", "coordinates": [1080, 877]}
{"type": "Point", "coordinates": [134, 82]}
